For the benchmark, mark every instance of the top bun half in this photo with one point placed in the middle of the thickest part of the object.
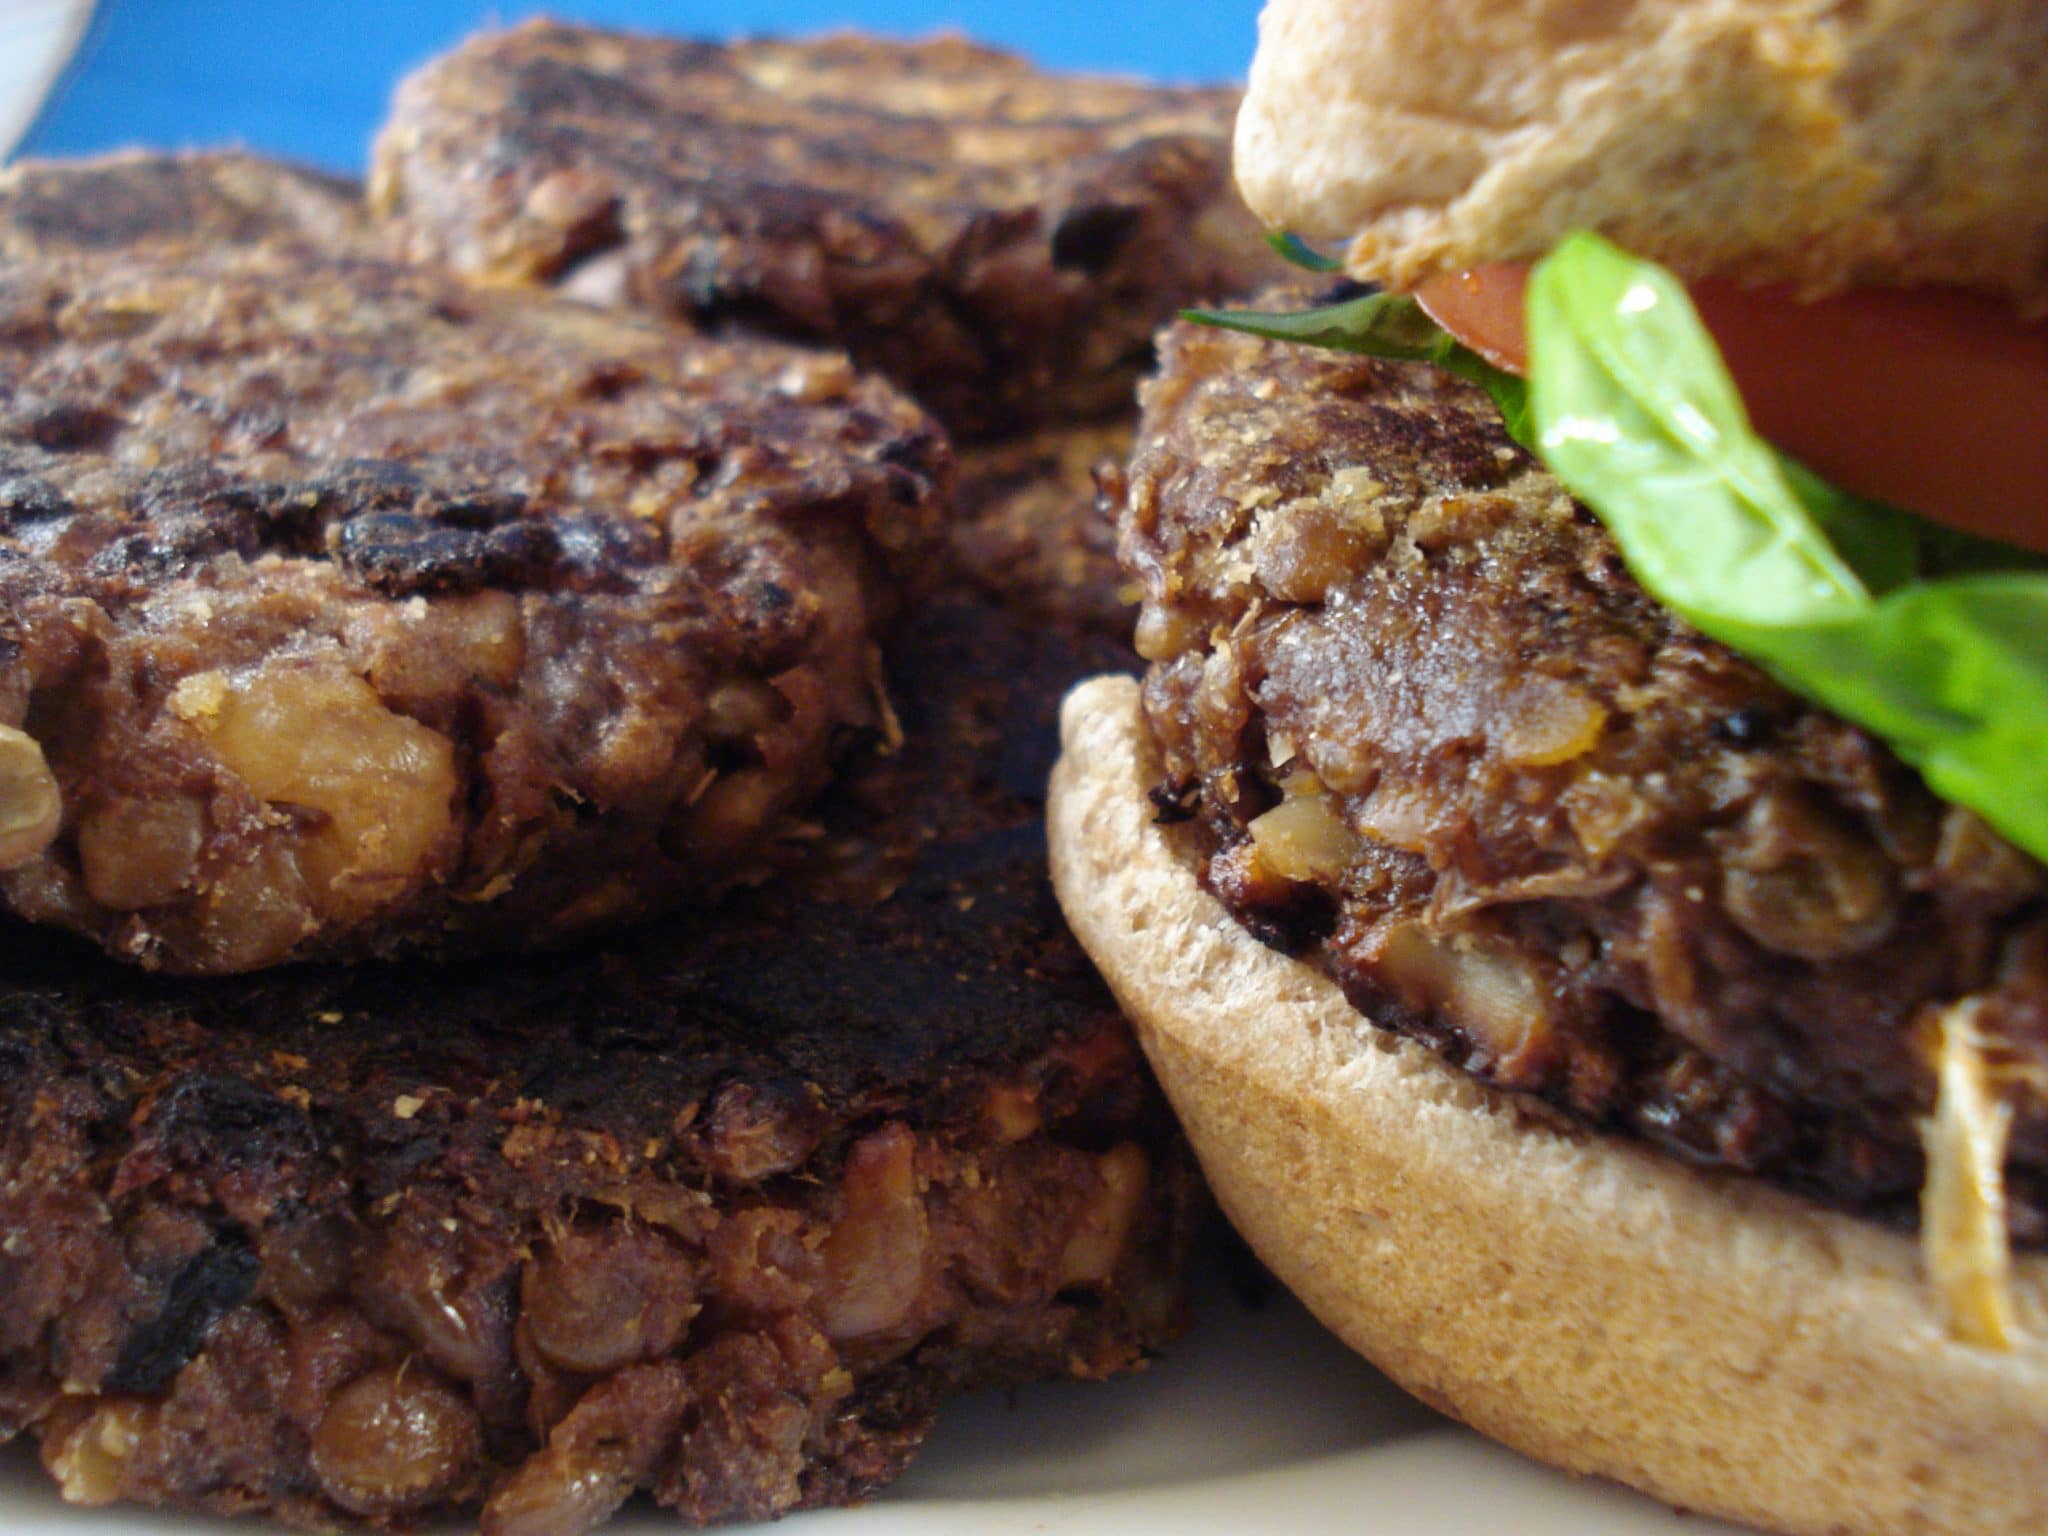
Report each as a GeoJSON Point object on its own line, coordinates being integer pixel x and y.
{"type": "Point", "coordinates": [1824, 144]}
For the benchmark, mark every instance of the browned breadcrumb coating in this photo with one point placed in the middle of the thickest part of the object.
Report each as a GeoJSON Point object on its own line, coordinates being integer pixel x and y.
{"type": "Point", "coordinates": [998, 239]}
{"type": "Point", "coordinates": [1444, 744]}
{"type": "Point", "coordinates": [344, 607]}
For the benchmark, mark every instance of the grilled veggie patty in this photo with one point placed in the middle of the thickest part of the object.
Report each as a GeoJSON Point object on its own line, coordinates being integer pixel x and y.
{"type": "Point", "coordinates": [997, 239]}
{"type": "Point", "coordinates": [343, 607]}
{"type": "Point", "coordinates": [1440, 742]}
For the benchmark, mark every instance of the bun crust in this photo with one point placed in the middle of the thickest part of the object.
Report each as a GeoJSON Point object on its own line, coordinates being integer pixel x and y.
{"type": "Point", "coordinates": [1891, 142]}
{"type": "Point", "coordinates": [1722, 1346]}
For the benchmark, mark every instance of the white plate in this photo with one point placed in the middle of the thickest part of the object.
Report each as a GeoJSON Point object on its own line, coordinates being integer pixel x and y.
{"type": "Point", "coordinates": [37, 37]}
{"type": "Point", "coordinates": [1259, 1424]}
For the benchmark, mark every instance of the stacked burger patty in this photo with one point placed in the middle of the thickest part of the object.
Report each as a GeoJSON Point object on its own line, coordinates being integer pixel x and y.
{"type": "Point", "coordinates": [493, 592]}
{"type": "Point", "coordinates": [355, 613]}
{"type": "Point", "coordinates": [1000, 241]}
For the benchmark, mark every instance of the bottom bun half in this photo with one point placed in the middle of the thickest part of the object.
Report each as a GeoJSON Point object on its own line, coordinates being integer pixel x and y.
{"type": "Point", "coordinates": [1728, 1348]}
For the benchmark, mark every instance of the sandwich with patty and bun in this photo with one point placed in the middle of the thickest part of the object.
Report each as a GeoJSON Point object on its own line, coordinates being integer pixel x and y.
{"type": "Point", "coordinates": [1575, 858]}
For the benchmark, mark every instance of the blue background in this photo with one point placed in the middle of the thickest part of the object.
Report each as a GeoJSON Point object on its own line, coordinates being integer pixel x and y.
{"type": "Point", "coordinates": [310, 81]}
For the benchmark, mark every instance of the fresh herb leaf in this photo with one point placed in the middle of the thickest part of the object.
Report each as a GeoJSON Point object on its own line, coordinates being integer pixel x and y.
{"type": "Point", "coordinates": [1388, 325]}
{"type": "Point", "coordinates": [1295, 251]}
{"type": "Point", "coordinates": [1637, 415]}
{"type": "Point", "coordinates": [1635, 411]}
{"type": "Point", "coordinates": [1875, 540]}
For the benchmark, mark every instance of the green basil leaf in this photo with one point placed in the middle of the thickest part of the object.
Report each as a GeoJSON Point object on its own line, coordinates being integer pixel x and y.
{"type": "Point", "coordinates": [1386, 325]}
{"type": "Point", "coordinates": [1637, 415]}
{"type": "Point", "coordinates": [1295, 251]}
{"type": "Point", "coordinates": [1638, 418]}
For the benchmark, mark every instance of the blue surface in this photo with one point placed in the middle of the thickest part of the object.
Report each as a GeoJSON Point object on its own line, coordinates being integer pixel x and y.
{"type": "Point", "coordinates": [310, 81]}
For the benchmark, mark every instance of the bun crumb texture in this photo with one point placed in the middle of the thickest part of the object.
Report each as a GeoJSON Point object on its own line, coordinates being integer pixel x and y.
{"type": "Point", "coordinates": [1821, 145]}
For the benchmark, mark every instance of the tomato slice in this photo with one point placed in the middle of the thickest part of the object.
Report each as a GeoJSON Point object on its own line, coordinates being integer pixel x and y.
{"type": "Point", "coordinates": [1932, 399]}
{"type": "Point", "coordinates": [1483, 308]}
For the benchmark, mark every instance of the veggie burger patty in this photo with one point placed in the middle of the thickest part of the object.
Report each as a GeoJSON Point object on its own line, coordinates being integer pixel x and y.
{"type": "Point", "coordinates": [343, 606]}
{"type": "Point", "coordinates": [1438, 740]}
{"type": "Point", "coordinates": [997, 239]}
{"type": "Point", "coordinates": [720, 1212]}
{"type": "Point", "coordinates": [720, 1209]}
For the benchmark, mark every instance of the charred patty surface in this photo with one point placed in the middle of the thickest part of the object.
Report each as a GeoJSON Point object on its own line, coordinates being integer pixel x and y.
{"type": "Point", "coordinates": [999, 240]}
{"type": "Point", "coordinates": [1442, 743]}
{"type": "Point", "coordinates": [720, 1216]}
{"type": "Point", "coordinates": [343, 607]}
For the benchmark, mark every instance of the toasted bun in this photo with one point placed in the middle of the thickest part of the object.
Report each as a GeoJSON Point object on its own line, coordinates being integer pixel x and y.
{"type": "Point", "coordinates": [1720, 1345]}
{"type": "Point", "coordinates": [1823, 145]}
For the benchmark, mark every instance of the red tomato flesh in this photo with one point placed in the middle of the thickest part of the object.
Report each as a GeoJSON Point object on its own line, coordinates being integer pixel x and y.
{"type": "Point", "coordinates": [1931, 399]}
